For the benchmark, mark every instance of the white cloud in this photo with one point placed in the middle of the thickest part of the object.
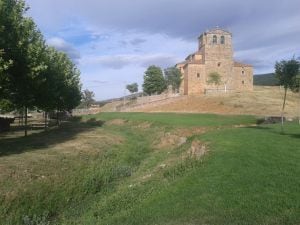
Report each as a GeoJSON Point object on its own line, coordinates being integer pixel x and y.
{"type": "Point", "coordinates": [117, 39]}
{"type": "Point", "coordinates": [61, 45]}
{"type": "Point", "coordinates": [121, 61]}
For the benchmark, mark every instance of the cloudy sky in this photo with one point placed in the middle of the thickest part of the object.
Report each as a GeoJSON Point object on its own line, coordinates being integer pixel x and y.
{"type": "Point", "coordinates": [114, 41]}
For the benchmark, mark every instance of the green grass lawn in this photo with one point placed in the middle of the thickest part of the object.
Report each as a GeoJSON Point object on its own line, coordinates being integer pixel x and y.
{"type": "Point", "coordinates": [91, 172]}
{"type": "Point", "coordinates": [180, 119]}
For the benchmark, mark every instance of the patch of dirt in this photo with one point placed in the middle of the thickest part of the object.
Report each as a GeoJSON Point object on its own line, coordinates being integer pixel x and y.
{"type": "Point", "coordinates": [244, 125]}
{"type": "Point", "coordinates": [117, 122]}
{"type": "Point", "coordinates": [144, 125]}
{"type": "Point", "coordinates": [179, 136]}
{"type": "Point", "coordinates": [146, 177]}
{"type": "Point", "coordinates": [197, 149]}
{"type": "Point", "coordinates": [171, 140]}
{"type": "Point", "coordinates": [187, 132]}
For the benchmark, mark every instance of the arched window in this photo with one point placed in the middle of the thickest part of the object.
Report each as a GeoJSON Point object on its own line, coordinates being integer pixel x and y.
{"type": "Point", "coordinates": [215, 40]}
{"type": "Point", "coordinates": [222, 40]}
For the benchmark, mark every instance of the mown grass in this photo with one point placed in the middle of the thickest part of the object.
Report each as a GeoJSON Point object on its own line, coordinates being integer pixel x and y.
{"type": "Point", "coordinates": [114, 174]}
{"type": "Point", "coordinates": [250, 177]}
{"type": "Point", "coordinates": [180, 119]}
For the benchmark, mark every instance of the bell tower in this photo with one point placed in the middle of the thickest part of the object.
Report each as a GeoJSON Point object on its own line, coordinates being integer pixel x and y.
{"type": "Point", "coordinates": [216, 47]}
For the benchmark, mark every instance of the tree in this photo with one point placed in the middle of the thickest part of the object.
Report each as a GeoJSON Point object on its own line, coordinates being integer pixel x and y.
{"type": "Point", "coordinates": [87, 98]}
{"type": "Point", "coordinates": [173, 78]}
{"type": "Point", "coordinates": [60, 88]}
{"type": "Point", "coordinates": [132, 88]}
{"type": "Point", "coordinates": [214, 78]}
{"type": "Point", "coordinates": [32, 75]}
{"type": "Point", "coordinates": [6, 106]}
{"type": "Point", "coordinates": [22, 45]}
{"type": "Point", "coordinates": [154, 82]}
{"type": "Point", "coordinates": [4, 65]}
{"type": "Point", "coordinates": [286, 72]}
{"type": "Point", "coordinates": [296, 88]}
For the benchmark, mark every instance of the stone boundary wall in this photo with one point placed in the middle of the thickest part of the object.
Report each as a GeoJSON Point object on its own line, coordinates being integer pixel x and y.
{"type": "Point", "coordinates": [154, 98]}
{"type": "Point", "coordinates": [79, 112]}
{"type": "Point", "coordinates": [136, 108]}
{"type": "Point", "coordinates": [147, 100]}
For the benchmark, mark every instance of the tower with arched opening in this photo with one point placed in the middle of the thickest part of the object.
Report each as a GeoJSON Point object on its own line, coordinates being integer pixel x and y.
{"type": "Point", "coordinates": [214, 56]}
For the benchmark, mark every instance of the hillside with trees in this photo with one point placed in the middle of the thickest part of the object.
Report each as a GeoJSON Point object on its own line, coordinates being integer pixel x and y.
{"type": "Point", "coordinates": [268, 79]}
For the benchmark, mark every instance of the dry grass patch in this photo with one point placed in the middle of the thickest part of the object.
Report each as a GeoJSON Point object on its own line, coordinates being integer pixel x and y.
{"type": "Point", "coordinates": [266, 101]}
{"type": "Point", "coordinates": [197, 149]}
{"type": "Point", "coordinates": [117, 122]}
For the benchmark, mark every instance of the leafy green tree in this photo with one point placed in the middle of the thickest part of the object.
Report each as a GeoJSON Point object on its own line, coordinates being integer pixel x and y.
{"type": "Point", "coordinates": [22, 44]}
{"type": "Point", "coordinates": [32, 74]}
{"type": "Point", "coordinates": [154, 82]}
{"type": "Point", "coordinates": [4, 65]}
{"type": "Point", "coordinates": [296, 88]}
{"type": "Point", "coordinates": [173, 78]}
{"type": "Point", "coordinates": [286, 72]}
{"type": "Point", "coordinates": [67, 84]}
{"type": "Point", "coordinates": [60, 87]}
{"type": "Point", "coordinates": [132, 88]}
{"type": "Point", "coordinates": [87, 98]}
{"type": "Point", "coordinates": [214, 78]}
{"type": "Point", "coordinates": [6, 106]}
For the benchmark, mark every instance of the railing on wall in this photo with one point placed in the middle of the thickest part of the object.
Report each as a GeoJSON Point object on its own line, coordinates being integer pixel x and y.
{"type": "Point", "coordinates": [217, 91]}
{"type": "Point", "coordinates": [145, 100]}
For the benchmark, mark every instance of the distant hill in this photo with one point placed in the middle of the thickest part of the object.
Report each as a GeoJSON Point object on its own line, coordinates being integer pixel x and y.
{"type": "Point", "coordinates": [267, 79]}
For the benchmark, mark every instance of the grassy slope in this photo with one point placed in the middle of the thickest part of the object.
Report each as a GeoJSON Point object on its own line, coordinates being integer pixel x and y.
{"type": "Point", "coordinates": [249, 175]}
{"type": "Point", "coordinates": [264, 101]}
{"type": "Point", "coordinates": [245, 180]}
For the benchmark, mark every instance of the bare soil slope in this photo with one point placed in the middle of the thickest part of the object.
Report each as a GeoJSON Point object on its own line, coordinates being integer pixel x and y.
{"type": "Point", "coordinates": [265, 101]}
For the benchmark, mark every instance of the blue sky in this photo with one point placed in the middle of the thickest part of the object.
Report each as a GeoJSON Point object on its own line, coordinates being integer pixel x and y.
{"type": "Point", "coordinates": [114, 41]}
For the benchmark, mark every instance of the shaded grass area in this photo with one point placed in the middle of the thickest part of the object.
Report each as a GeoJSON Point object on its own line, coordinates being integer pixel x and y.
{"type": "Point", "coordinates": [40, 139]}
{"type": "Point", "coordinates": [113, 174]}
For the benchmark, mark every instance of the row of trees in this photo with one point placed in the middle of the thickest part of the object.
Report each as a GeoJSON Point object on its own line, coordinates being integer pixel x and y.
{"type": "Point", "coordinates": [32, 74]}
{"type": "Point", "coordinates": [155, 81]}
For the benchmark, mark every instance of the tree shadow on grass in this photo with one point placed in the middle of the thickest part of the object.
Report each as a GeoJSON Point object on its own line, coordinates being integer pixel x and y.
{"type": "Point", "coordinates": [274, 131]}
{"type": "Point", "coordinates": [257, 127]}
{"type": "Point", "coordinates": [291, 135]}
{"type": "Point", "coordinates": [42, 140]}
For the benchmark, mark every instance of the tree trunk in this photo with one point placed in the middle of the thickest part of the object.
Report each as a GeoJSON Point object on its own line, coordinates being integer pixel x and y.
{"type": "Point", "coordinates": [26, 121]}
{"type": "Point", "coordinates": [282, 111]}
{"type": "Point", "coordinates": [22, 117]}
{"type": "Point", "coordinates": [57, 118]}
{"type": "Point", "coordinates": [46, 120]}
